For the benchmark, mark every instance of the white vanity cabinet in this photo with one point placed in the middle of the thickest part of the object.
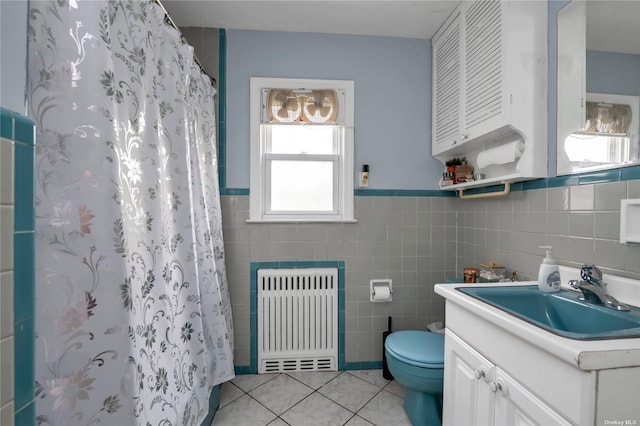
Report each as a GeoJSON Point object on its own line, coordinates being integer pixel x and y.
{"type": "Point", "coordinates": [490, 395]}
{"type": "Point", "coordinates": [500, 370]}
{"type": "Point", "coordinates": [489, 74]}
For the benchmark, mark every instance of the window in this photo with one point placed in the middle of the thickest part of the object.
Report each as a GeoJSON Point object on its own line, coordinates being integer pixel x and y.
{"type": "Point", "coordinates": [301, 150]}
{"type": "Point", "coordinates": [610, 133]}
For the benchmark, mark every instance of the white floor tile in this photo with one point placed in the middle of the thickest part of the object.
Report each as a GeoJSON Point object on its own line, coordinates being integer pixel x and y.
{"type": "Point", "coordinates": [314, 379]}
{"type": "Point", "coordinates": [358, 421]}
{"type": "Point", "coordinates": [229, 393]}
{"type": "Point", "coordinates": [349, 391]}
{"type": "Point", "coordinates": [278, 422]}
{"type": "Point", "coordinates": [281, 393]}
{"type": "Point", "coordinates": [372, 376]}
{"type": "Point", "coordinates": [385, 409]}
{"type": "Point", "coordinates": [312, 398]}
{"type": "Point", "coordinates": [316, 410]}
{"type": "Point", "coordinates": [244, 411]}
{"type": "Point", "coordinates": [248, 382]}
{"type": "Point", "coordinates": [396, 389]}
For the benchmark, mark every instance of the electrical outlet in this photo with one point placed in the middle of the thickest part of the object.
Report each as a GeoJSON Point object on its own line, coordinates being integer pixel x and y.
{"type": "Point", "coordinates": [363, 181]}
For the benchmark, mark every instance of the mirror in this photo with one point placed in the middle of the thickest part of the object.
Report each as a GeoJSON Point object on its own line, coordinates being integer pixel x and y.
{"type": "Point", "coordinates": [598, 85]}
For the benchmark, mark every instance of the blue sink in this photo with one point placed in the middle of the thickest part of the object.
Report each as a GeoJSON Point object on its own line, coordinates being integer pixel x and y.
{"type": "Point", "coordinates": [560, 313]}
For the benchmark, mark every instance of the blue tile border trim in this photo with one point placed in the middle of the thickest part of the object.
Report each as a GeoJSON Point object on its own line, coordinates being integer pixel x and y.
{"type": "Point", "coordinates": [222, 112]}
{"type": "Point", "coordinates": [6, 123]}
{"type": "Point", "coordinates": [24, 190]}
{"type": "Point", "coordinates": [24, 130]}
{"type": "Point", "coordinates": [243, 369]}
{"type": "Point", "coordinates": [24, 297]}
{"type": "Point", "coordinates": [614, 175]}
{"type": "Point", "coordinates": [253, 307]}
{"type": "Point", "coordinates": [214, 403]}
{"type": "Point", "coordinates": [630, 173]}
{"type": "Point", "coordinates": [24, 355]}
{"type": "Point", "coordinates": [16, 127]}
{"type": "Point", "coordinates": [26, 416]}
{"type": "Point", "coordinates": [403, 193]}
{"type": "Point", "coordinates": [364, 365]}
{"type": "Point", "coordinates": [234, 191]}
{"type": "Point", "coordinates": [21, 130]}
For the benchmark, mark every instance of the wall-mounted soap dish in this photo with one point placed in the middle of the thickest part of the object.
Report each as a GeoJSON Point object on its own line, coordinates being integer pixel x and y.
{"type": "Point", "coordinates": [630, 221]}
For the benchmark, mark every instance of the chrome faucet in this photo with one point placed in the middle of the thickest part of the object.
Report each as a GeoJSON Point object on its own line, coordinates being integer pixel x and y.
{"type": "Point", "coordinates": [593, 288]}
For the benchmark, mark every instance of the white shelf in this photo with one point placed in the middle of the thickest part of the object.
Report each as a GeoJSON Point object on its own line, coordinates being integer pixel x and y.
{"type": "Point", "coordinates": [482, 183]}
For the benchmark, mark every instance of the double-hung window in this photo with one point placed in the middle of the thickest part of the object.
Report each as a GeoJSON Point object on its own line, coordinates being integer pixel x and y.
{"type": "Point", "coordinates": [301, 150]}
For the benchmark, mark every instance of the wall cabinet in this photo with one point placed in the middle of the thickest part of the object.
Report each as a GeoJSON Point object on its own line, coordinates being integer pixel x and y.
{"type": "Point", "coordinates": [490, 395]}
{"type": "Point", "coordinates": [447, 85]}
{"type": "Point", "coordinates": [490, 81]}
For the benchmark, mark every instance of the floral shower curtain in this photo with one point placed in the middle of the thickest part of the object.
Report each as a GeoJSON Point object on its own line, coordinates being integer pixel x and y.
{"type": "Point", "coordinates": [133, 314]}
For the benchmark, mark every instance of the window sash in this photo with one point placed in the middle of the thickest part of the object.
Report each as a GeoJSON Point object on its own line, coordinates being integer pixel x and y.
{"type": "Point", "coordinates": [336, 138]}
{"type": "Point", "coordinates": [335, 183]}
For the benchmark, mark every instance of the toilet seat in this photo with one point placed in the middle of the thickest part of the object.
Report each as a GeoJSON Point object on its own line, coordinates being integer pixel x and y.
{"type": "Point", "coordinates": [416, 347]}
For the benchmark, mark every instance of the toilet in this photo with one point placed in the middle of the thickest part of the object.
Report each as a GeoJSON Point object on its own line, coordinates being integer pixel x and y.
{"type": "Point", "coordinates": [416, 360]}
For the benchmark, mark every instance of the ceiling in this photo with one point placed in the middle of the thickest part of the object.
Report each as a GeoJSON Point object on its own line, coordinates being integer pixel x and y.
{"type": "Point", "coordinates": [394, 18]}
{"type": "Point", "coordinates": [612, 24]}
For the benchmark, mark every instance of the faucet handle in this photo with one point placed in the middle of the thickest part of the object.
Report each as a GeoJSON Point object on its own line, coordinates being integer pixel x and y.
{"type": "Point", "coordinates": [591, 274]}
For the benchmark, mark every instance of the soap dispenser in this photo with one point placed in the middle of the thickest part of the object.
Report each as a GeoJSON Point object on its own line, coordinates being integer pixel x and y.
{"type": "Point", "coordinates": [549, 275]}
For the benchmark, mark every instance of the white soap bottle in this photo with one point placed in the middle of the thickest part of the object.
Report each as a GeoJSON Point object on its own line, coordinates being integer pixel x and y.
{"type": "Point", "coordinates": [549, 275]}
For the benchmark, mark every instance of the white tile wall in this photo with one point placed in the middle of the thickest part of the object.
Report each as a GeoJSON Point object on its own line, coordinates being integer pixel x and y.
{"type": "Point", "coordinates": [419, 241]}
{"type": "Point", "coordinates": [6, 283]}
{"type": "Point", "coordinates": [581, 222]}
{"type": "Point", "coordinates": [402, 238]}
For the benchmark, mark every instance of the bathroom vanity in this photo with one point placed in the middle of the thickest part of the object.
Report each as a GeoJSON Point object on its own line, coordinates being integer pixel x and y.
{"type": "Point", "coordinates": [509, 371]}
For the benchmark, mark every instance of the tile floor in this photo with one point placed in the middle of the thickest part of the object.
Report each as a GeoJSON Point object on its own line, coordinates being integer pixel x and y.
{"type": "Point", "coordinates": [350, 398]}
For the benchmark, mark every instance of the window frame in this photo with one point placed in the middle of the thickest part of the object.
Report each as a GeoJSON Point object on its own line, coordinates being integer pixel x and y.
{"type": "Point", "coordinates": [260, 159]}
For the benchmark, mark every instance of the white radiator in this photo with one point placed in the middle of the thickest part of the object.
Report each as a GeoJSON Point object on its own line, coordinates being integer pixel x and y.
{"type": "Point", "coordinates": [297, 320]}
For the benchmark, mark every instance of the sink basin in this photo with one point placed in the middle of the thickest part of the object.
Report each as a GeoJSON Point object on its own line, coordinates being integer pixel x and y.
{"type": "Point", "coordinates": [560, 313]}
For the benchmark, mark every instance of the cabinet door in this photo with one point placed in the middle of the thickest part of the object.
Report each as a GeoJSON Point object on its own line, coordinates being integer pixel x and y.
{"type": "Point", "coordinates": [483, 68]}
{"type": "Point", "coordinates": [447, 86]}
{"type": "Point", "coordinates": [468, 399]}
{"type": "Point", "coordinates": [571, 77]}
{"type": "Point", "coordinates": [516, 406]}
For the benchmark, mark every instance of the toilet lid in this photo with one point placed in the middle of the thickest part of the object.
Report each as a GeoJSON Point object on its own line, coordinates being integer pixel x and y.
{"type": "Point", "coordinates": [416, 347]}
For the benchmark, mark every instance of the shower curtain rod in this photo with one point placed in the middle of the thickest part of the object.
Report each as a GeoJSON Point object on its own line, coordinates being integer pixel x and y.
{"type": "Point", "coordinates": [169, 20]}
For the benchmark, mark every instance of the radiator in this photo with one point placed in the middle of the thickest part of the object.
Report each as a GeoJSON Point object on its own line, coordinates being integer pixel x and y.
{"type": "Point", "coordinates": [297, 320]}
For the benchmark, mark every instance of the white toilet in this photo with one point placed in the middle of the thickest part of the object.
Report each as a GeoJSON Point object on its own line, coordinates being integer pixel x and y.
{"type": "Point", "coordinates": [416, 360]}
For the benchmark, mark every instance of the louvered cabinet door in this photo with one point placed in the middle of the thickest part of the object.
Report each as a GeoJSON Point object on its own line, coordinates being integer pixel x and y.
{"type": "Point", "coordinates": [484, 101]}
{"type": "Point", "coordinates": [447, 86]}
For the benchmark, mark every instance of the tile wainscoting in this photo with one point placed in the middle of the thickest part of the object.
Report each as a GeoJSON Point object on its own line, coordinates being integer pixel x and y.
{"type": "Point", "coordinates": [419, 238]}
{"type": "Point", "coordinates": [17, 279]}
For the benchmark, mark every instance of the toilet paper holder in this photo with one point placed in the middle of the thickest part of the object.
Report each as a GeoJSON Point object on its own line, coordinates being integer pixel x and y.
{"type": "Point", "coordinates": [381, 290]}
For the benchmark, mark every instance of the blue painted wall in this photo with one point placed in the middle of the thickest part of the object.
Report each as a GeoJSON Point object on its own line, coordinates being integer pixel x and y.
{"type": "Point", "coordinates": [13, 54]}
{"type": "Point", "coordinates": [392, 98]}
{"type": "Point", "coordinates": [614, 73]}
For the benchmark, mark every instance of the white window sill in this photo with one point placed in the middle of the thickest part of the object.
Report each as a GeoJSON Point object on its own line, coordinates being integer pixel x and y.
{"type": "Point", "coordinates": [301, 221]}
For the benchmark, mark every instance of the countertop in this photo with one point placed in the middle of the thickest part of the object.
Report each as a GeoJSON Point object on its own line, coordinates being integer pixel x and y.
{"type": "Point", "coordinates": [585, 355]}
